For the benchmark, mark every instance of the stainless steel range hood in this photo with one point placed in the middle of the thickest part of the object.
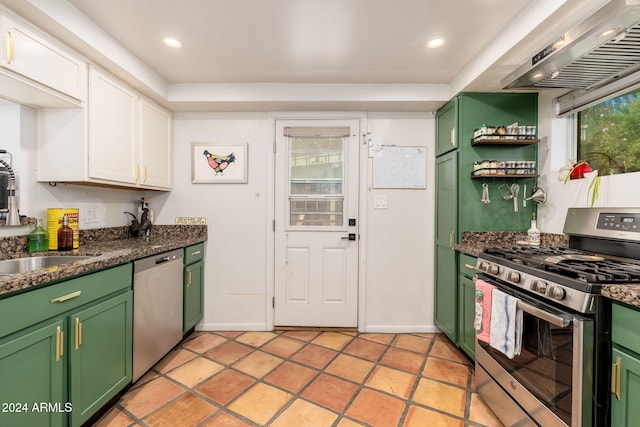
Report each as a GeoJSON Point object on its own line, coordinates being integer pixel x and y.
{"type": "Point", "coordinates": [602, 48]}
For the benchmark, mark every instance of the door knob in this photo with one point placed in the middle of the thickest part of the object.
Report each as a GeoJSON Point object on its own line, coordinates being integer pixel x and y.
{"type": "Point", "coordinates": [351, 236]}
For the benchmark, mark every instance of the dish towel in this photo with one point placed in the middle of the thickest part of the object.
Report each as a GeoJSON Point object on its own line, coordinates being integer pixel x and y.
{"type": "Point", "coordinates": [506, 324]}
{"type": "Point", "coordinates": [482, 323]}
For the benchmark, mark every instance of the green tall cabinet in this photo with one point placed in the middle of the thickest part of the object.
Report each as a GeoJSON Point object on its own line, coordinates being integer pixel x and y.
{"type": "Point", "coordinates": [458, 195]}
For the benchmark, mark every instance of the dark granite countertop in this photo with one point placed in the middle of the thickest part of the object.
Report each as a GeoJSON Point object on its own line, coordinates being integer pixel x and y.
{"type": "Point", "coordinates": [628, 294]}
{"type": "Point", "coordinates": [474, 242]}
{"type": "Point", "coordinates": [106, 248]}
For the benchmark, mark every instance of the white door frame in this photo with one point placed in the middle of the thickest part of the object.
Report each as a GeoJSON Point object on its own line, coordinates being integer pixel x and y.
{"type": "Point", "coordinates": [363, 191]}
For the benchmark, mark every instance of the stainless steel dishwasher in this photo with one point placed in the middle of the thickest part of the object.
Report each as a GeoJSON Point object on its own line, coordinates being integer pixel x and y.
{"type": "Point", "coordinates": [157, 308]}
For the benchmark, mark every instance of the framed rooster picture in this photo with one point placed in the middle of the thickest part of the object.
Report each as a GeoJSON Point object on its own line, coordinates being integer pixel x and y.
{"type": "Point", "coordinates": [213, 163]}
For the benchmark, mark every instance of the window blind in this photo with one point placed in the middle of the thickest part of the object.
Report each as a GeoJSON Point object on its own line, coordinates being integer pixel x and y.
{"type": "Point", "coordinates": [317, 132]}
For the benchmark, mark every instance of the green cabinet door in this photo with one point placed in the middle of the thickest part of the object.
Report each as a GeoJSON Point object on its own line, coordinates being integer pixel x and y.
{"type": "Point", "coordinates": [625, 411]}
{"type": "Point", "coordinates": [466, 304]}
{"type": "Point", "coordinates": [32, 375]}
{"type": "Point", "coordinates": [100, 354]}
{"type": "Point", "coordinates": [446, 299]}
{"type": "Point", "coordinates": [193, 295]}
{"type": "Point", "coordinates": [467, 312]}
{"type": "Point", "coordinates": [446, 138]}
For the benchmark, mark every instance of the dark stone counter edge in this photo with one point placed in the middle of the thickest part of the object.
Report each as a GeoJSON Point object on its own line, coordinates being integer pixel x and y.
{"type": "Point", "coordinates": [102, 255]}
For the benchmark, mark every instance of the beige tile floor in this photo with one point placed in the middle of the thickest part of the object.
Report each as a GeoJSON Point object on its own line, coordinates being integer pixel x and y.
{"type": "Point", "coordinates": [306, 378]}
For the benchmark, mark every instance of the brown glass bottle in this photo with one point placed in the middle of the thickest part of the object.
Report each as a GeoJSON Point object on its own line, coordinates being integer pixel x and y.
{"type": "Point", "coordinates": [65, 236]}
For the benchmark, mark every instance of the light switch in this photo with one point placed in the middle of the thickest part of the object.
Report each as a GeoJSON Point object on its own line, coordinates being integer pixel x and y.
{"type": "Point", "coordinates": [380, 202]}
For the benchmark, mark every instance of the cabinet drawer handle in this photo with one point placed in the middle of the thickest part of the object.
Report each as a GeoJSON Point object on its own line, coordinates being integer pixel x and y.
{"type": "Point", "coordinates": [452, 239]}
{"type": "Point", "coordinates": [470, 267]}
{"type": "Point", "coordinates": [145, 173]}
{"type": "Point", "coordinates": [453, 136]}
{"type": "Point", "coordinates": [9, 47]}
{"type": "Point", "coordinates": [188, 278]}
{"type": "Point", "coordinates": [67, 297]}
{"type": "Point", "coordinates": [195, 253]}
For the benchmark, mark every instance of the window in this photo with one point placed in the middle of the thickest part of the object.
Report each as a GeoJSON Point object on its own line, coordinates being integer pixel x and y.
{"type": "Point", "coordinates": [608, 136]}
{"type": "Point", "coordinates": [316, 176]}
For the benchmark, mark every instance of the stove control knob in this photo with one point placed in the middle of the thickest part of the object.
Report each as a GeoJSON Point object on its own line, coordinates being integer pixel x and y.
{"type": "Point", "coordinates": [540, 286]}
{"type": "Point", "coordinates": [514, 276]}
{"type": "Point", "coordinates": [493, 269]}
{"type": "Point", "coordinates": [558, 293]}
{"type": "Point", "coordinates": [484, 266]}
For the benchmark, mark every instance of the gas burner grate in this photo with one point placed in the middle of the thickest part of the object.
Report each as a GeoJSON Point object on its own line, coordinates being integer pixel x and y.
{"type": "Point", "coordinates": [572, 263]}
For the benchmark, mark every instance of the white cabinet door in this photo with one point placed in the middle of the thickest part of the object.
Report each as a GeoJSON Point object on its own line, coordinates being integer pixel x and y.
{"type": "Point", "coordinates": [26, 53]}
{"type": "Point", "coordinates": [113, 151]}
{"type": "Point", "coordinates": [155, 145]}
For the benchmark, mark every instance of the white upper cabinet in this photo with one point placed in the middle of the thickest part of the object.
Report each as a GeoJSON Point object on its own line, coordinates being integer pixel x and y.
{"type": "Point", "coordinates": [37, 63]}
{"type": "Point", "coordinates": [120, 140]}
{"type": "Point", "coordinates": [113, 153]}
{"type": "Point", "coordinates": [155, 165]}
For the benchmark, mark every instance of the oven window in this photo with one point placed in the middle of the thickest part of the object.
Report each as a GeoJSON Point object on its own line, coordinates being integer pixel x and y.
{"type": "Point", "coordinates": [544, 367]}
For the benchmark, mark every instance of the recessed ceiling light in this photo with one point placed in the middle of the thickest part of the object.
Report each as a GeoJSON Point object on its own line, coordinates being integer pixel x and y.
{"type": "Point", "coordinates": [172, 42]}
{"type": "Point", "coordinates": [435, 43]}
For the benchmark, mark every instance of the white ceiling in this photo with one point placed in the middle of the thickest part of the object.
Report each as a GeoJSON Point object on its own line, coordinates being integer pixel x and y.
{"type": "Point", "coordinates": [265, 55]}
{"type": "Point", "coordinates": [304, 41]}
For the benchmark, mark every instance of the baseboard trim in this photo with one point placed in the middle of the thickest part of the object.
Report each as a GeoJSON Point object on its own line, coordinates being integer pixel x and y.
{"type": "Point", "coordinates": [402, 329]}
{"type": "Point", "coordinates": [212, 327]}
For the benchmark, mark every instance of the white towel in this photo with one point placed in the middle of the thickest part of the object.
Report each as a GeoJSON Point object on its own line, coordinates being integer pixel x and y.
{"type": "Point", "coordinates": [506, 324]}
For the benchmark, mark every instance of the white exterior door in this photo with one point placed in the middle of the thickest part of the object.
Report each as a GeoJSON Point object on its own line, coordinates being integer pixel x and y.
{"type": "Point", "coordinates": [316, 211]}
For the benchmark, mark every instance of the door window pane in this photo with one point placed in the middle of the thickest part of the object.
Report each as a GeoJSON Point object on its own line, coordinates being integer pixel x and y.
{"type": "Point", "coordinates": [316, 178]}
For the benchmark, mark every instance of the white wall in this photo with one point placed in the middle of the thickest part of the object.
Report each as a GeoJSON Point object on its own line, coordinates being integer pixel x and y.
{"type": "Point", "coordinates": [396, 252]}
{"type": "Point", "coordinates": [556, 150]}
{"type": "Point", "coordinates": [236, 253]}
{"type": "Point", "coordinates": [400, 239]}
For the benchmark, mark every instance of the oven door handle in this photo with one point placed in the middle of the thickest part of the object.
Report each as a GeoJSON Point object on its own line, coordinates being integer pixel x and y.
{"type": "Point", "coordinates": [559, 321]}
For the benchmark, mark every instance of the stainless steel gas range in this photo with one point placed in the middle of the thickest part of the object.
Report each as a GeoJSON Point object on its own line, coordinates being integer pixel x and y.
{"type": "Point", "coordinates": [562, 375]}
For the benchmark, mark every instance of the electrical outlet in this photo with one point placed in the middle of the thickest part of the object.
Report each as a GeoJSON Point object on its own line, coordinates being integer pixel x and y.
{"type": "Point", "coordinates": [191, 220]}
{"type": "Point", "coordinates": [91, 215]}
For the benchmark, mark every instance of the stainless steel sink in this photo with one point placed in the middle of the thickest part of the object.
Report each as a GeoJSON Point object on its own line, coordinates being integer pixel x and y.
{"type": "Point", "coordinates": [25, 265]}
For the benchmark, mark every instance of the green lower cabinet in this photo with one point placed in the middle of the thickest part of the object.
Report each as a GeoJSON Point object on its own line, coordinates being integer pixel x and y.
{"type": "Point", "coordinates": [32, 375]}
{"type": "Point", "coordinates": [99, 349]}
{"type": "Point", "coordinates": [466, 304]}
{"type": "Point", "coordinates": [65, 349]}
{"type": "Point", "coordinates": [467, 311]}
{"type": "Point", "coordinates": [625, 411]}
{"type": "Point", "coordinates": [625, 382]}
{"type": "Point", "coordinates": [193, 295]}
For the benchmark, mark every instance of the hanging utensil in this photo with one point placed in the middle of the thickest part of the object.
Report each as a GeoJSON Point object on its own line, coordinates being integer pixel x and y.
{"type": "Point", "coordinates": [485, 194]}
{"type": "Point", "coordinates": [515, 189]}
{"type": "Point", "coordinates": [501, 190]}
{"type": "Point", "coordinates": [538, 195]}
